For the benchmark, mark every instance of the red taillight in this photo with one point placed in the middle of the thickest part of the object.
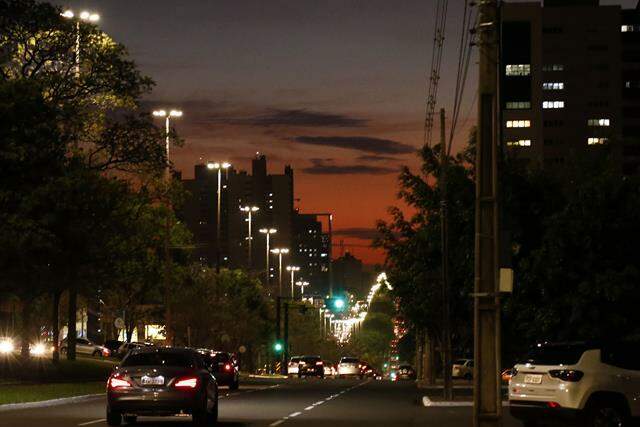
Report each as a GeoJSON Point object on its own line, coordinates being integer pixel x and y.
{"type": "Point", "coordinates": [186, 383]}
{"type": "Point", "coordinates": [567, 375]}
{"type": "Point", "coordinates": [553, 404]}
{"type": "Point", "coordinates": [106, 352]}
{"type": "Point", "coordinates": [115, 382]}
{"type": "Point", "coordinates": [227, 367]}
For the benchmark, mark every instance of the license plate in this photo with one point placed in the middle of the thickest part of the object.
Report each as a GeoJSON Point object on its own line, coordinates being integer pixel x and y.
{"type": "Point", "coordinates": [533, 379]}
{"type": "Point", "coordinates": [152, 380]}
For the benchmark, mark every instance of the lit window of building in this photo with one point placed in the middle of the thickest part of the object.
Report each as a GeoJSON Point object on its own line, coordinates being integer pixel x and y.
{"type": "Point", "coordinates": [553, 104]}
{"type": "Point", "coordinates": [518, 69]}
{"type": "Point", "coordinates": [553, 67]}
{"type": "Point", "coordinates": [630, 28]}
{"type": "Point", "coordinates": [553, 86]}
{"type": "Point", "coordinates": [518, 105]}
{"type": "Point", "coordinates": [519, 143]}
{"type": "Point", "coordinates": [597, 141]}
{"type": "Point", "coordinates": [518, 123]}
{"type": "Point", "coordinates": [599, 122]}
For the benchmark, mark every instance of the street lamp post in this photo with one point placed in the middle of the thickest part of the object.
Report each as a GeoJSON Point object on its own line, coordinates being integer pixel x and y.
{"type": "Point", "coordinates": [218, 166]}
{"type": "Point", "coordinates": [250, 210]}
{"type": "Point", "coordinates": [302, 286]}
{"type": "Point", "coordinates": [85, 16]}
{"type": "Point", "coordinates": [267, 232]}
{"type": "Point", "coordinates": [280, 252]}
{"type": "Point", "coordinates": [167, 119]}
{"type": "Point", "coordinates": [292, 269]}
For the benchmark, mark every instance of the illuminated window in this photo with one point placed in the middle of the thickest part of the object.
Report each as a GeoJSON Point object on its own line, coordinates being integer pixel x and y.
{"type": "Point", "coordinates": [518, 105]}
{"type": "Point", "coordinates": [553, 67]}
{"type": "Point", "coordinates": [518, 69]}
{"type": "Point", "coordinates": [631, 28]}
{"type": "Point", "coordinates": [599, 122]}
{"type": "Point", "coordinates": [553, 104]}
{"type": "Point", "coordinates": [553, 86]}
{"type": "Point", "coordinates": [597, 141]}
{"type": "Point", "coordinates": [519, 143]}
{"type": "Point", "coordinates": [518, 123]}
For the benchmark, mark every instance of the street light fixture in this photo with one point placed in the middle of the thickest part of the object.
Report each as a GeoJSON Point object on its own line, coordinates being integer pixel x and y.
{"type": "Point", "coordinates": [268, 232]}
{"type": "Point", "coordinates": [250, 210]}
{"type": "Point", "coordinates": [280, 252]}
{"type": "Point", "coordinates": [83, 16]}
{"type": "Point", "coordinates": [302, 285]}
{"type": "Point", "coordinates": [218, 166]}
{"type": "Point", "coordinates": [292, 269]}
{"type": "Point", "coordinates": [167, 116]}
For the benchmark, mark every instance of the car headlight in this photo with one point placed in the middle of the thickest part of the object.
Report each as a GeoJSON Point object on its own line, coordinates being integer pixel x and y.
{"type": "Point", "coordinates": [6, 347]}
{"type": "Point", "coordinates": [38, 349]}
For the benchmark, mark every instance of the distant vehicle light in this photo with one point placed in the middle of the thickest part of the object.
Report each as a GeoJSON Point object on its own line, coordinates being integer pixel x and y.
{"type": "Point", "coordinates": [227, 367]}
{"type": "Point", "coordinates": [38, 349]}
{"type": "Point", "coordinates": [6, 346]}
{"type": "Point", "coordinates": [319, 363]}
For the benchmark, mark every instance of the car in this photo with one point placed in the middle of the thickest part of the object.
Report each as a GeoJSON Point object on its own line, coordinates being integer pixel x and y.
{"type": "Point", "coordinates": [462, 368]}
{"type": "Point", "coordinates": [113, 346]}
{"type": "Point", "coordinates": [328, 370]}
{"type": "Point", "coordinates": [162, 381]}
{"type": "Point", "coordinates": [311, 366]}
{"type": "Point", "coordinates": [405, 372]}
{"type": "Point", "coordinates": [84, 346]}
{"type": "Point", "coordinates": [292, 366]}
{"type": "Point", "coordinates": [125, 347]}
{"type": "Point", "coordinates": [506, 375]}
{"type": "Point", "coordinates": [597, 384]}
{"type": "Point", "coordinates": [224, 367]}
{"type": "Point", "coordinates": [349, 367]}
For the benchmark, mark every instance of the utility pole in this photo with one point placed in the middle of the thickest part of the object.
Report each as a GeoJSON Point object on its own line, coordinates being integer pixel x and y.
{"type": "Point", "coordinates": [446, 317]}
{"type": "Point", "coordinates": [487, 405]}
{"type": "Point", "coordinates": [285, 352]}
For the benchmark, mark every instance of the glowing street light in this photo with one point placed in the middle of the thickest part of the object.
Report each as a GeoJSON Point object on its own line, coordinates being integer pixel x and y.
{"type": "Point", "coordinates": [85, 16]}
{"type": "Point", "coordinates": [219, 167]}
{"type": "Point", "coordinates": [292, 269]}
{"type": "Point", "coordinates": [280, 252]}
{"type": "Point", "coordinates": [302, 285]}
{"type": "Point", "coordinates": [268, 232]}
{"type": "Point", "coordinates": [250, 210]}
{"type": "Point", "coordinates": [167, 116]}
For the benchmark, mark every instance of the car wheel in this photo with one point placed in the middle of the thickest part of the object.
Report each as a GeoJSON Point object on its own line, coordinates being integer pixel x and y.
{"type": "Point", "coordinates": [113, 418]}
{"type": "Point", "coordinates": [606, 414]}
{"type": "Point", "coordinates": [130, 419]}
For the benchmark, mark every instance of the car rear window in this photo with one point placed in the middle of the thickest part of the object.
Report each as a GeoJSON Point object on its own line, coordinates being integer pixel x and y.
{"type": "Point", "coordinates": [310, 359]}
{"type": "Point", "coordinates": [557, 354]}
{"type": "Point", "coordinates": [159, 359]}
{"type": "Point", "coordinates": [296, 359]}
{"type": "Point", "coordinates": [221, 358]}
{"type": "Point", "coordinates": [348, 360]}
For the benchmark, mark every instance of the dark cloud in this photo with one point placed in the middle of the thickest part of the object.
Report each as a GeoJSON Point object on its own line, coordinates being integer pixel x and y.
{"type": "Point", "coordinates": [366, 144]}
{"type": "Point", "coordinates": [279, 117]}
{"type": "Point", "coordinates": [374, 158]}
{"type": "Point", "coordinates": [358, 233]}
{"type": "Point", "coordinates": [321, 167]}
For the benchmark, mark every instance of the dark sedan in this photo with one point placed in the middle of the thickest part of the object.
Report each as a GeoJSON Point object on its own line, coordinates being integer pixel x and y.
{"type": "Point", "coordinates": [311, 366]}
{"type": "Point", "coordinates": [224, 367]}
{"type": "Point", "coordinates": [162, 381]}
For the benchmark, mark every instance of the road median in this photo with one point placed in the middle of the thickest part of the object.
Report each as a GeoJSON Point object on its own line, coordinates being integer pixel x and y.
{"type": "Point", "coordinates": [21, 396]}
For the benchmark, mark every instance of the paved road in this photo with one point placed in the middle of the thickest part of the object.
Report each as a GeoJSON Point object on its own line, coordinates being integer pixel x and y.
{"type": "Point", "coordinates": [286, 403]}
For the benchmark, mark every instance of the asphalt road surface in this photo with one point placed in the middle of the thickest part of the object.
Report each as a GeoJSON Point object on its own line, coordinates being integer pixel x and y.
{"type": "Point", "coordinates": [306, 402]}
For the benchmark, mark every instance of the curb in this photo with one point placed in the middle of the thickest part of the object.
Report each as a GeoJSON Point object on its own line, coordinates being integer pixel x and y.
{"type": "Point", "coordinates": [426, 402]}
{"type": "Point", "coordinates": [47, 403]}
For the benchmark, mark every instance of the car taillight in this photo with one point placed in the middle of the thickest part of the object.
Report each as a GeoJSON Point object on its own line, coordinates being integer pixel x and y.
{"type": "Point", "coordinates": [186, 383]}
{"type": "Point", "coordinates": [227, 367]}
{"type": "Point", "coordinates": [553, 404]}
{"type": "Point", "coordinates": [106, 352]}
{"type": "Point", "coordinates": [115, 382]}
{"type": "Point", "coordinates": [567, 375]}
{"type": "Point", "coordinates": [318, 363]}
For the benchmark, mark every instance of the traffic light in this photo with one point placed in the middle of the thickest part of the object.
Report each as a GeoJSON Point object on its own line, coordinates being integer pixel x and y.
{"type": "Point", "coordinates": [336, 304]}
{"type": "Point", "coordinates": [278, 347]}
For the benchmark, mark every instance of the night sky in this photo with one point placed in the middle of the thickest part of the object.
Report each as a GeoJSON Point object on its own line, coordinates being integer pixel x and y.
{"type": "Point", "coordinates": [336, 88]}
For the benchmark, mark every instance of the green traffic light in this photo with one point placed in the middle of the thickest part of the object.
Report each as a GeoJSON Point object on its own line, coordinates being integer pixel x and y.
{"type": "Point", "coordinates": [338, 303]}
{"type": "Point", "coordinates": [277, 347]}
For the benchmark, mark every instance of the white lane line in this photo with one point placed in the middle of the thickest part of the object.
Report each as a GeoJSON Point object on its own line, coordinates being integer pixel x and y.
{"type": "Point", "coordinates": [276, 423]}
{"type": "Point", "coordinates": [308, 408]}
{"type": "Point", "coordinates": [93, 422]}
{"type": "Point", "coordinates": [295, 414]}
{"type": "Point", "coordinates": [318, 403]}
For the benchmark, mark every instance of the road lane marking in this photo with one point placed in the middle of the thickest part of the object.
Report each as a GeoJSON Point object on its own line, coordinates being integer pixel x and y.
{"type": "Point", "coordinates": [93, 422]}
{"type": "Point", "coordinates": [308, 408]}
{"type": "Point", "coordinates": [295, 414]}
{"type": "Point", "coordinates": [276, 423]}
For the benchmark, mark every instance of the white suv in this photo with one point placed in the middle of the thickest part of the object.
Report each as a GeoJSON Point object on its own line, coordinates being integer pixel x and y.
{"type": "Point", "coordinates": [598, 384]}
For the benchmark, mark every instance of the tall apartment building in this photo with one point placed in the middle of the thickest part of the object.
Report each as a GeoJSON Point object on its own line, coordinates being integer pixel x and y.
{"type": "Point", "coordinates": [311, 252]}
{"type": "Point", "coordinates": [570, 81]}
{"type": "Point", "coordinates": [271, 193]}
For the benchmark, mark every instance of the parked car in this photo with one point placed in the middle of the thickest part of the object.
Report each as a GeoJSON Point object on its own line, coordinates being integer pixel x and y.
{"type": "Point", "coordinates": [506, 375]}
{"type": "Point", "coordinates": [84, 346]}
{"type": "Point", "coordinates": [224, 367]}
{"type": "Point", "coordinates": [462, 368]}
{"type": "Point", "coordinates": [292, 366]}
{"type": "Point", "coordinates": [598, 384]}
{"type": "Point", "coordinates": [125, 347]}
{"type": "Point", "coordinates": [311, 366]}
{"type": "Point", "coordinates": [113, 346]}
{"type": "Point", "coordinates": [406, 372]}
{"type": "Point", "coordinates": [349, 367]}
{"type": "Point", "coordinates": [162, 381]}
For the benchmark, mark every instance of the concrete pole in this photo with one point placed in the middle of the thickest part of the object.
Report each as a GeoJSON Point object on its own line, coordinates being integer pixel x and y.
{"type": "Point", "coordinates": [446, 318]}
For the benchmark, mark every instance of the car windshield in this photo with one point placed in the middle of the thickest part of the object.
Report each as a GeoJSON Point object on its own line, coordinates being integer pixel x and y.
{"type": "Point", "coordinates": [159, 359]}
{"type": "Point", "coordinates": [349, 360]}
{"type": "Point", "coordinates": [567, 354]}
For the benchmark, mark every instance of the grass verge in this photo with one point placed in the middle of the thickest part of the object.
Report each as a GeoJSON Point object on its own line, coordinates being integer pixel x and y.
{"type": "Point", "coordinates": [39, 392]}
{"type": "Point", "coordinates": [16, 370]}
